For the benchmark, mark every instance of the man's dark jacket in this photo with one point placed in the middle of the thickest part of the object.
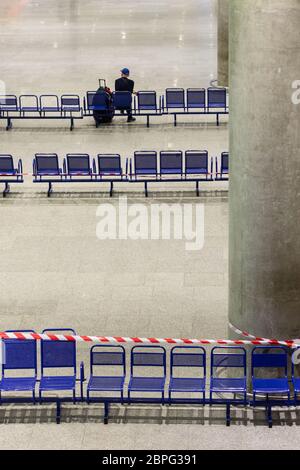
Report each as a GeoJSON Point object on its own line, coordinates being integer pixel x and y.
{"type": "Point", "coordinates": [124, 84]}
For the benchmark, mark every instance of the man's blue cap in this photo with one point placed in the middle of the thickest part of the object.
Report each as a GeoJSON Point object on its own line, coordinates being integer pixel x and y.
{"type": "Point", "coordinates": [125, 71]}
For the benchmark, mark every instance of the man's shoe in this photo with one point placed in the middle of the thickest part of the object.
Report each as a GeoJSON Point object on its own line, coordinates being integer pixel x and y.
{"type": "Point", "coordinates": [131, 119]}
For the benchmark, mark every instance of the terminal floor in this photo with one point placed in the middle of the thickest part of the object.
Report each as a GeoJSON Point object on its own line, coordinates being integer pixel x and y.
{"type": "Point", "coordinates": [181, 435]}
{"type": "Point", "coordinates": [54, 272]}
{"type": "Point", "coordinates": [54, 46]}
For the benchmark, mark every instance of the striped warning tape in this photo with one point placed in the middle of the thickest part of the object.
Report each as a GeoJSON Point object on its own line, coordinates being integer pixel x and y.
{"type": "Point", "coordinates": [139, 340]}
{"type": "Point", "coordinates": [245, 333]}
{"type": "Point", "coordinates": [249, 335]}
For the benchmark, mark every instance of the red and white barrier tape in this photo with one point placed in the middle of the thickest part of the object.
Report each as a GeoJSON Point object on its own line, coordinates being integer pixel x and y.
{"type": "Point", "coordinates": [138, 340]}
{"type": "Point", "coordinates": [249, 335]}
{"type": "Point", "coordinates": [245, 333]}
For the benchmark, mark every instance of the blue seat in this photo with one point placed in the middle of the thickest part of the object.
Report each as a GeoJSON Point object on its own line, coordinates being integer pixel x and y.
{"type": "Point", "coordinates": [58, 383]}
{"type": "Point", "coordinates": [233, 385]}
{"type": "Point", "coordinates": [18, 384]}
{"type": "Point", "coordinates": [46, 164]}
{"type": "Point", "coordinates": [217, 98]}
{"type": "Point", "coordinates": [95, 101]}
{"type": "Point", "coordinates": [145, 163]}
{"type": "Point", "coordinates": [7, 166]}
{"type": "Point", "coordinates": [272, 359]}
{"type": "Point", "coordinates": [103, 357]}
{"type": "Point", "coordinates": [295, 378]}
{"type": "Point", "coordinates": [8, 173]}
{"type": "Point", "coordinates": [224, 165]}
{"type": "Point", "coordinates": [147, 101]}
{"type": "Point", "coordinates": [70, 103]}
{"type": "Point", "coordinates": [192, 359]}
{"type": "Point", "coordinates": [171, 162]}
{"type": "Point", "coordinates": [175, 98]}
{"type": "Point", "coordinates": [228, 360]}
{"type": "Point", "coordinates": [142, 359]}
{"type": "Point", "coordinates": [49, 104]}
{"type": "Point", "coordinates": [78, 164]}
{"type": "Point", "coordinates": [58, 355]}
{"type": "Point", "coordinates": [8, 103]}
{"type": "Point", "coordinates": [43, 107]}
{"type": "Point", "coordinates": [267, 386]}
{"type": "Point", "coordinates": [122, 99]}
{"type": "Point", "coordinates": [20, 356]}
{"type": "Point", "coordinates": [223, 174]}
{"type": "Point", "coordinates": [109, 165]}
{"type": "Point", "coordinates": [196, 163]}
{"type": "Point", "coordinates": [28, 104]}
{"type": "Point", "coordinates": [296, 385]}
{"type": "Point", "coordinates": [196, 98]}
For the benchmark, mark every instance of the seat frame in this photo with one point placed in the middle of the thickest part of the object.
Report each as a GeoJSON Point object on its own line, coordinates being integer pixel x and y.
{"type": "Point", "coordinates": [191, 110]}
{"type": "Point", "coordinates": [159, 177]}
{"type": "Point", "coordinates": [65, 177]}
{"type": "Point", "coordinates": [268, 403]}
{"type": "Point", "coordinates": [74, 376]}
{"type": "Point", "coordinates": [244, 401]}
{"type": "Point", "coordinates": [143, 350]}
{"type": "Point", "coordinates": [237, 351]}
{"type": "Point", "coordinates": [40, 111]}
{"type": "Point", "coordinates": [17, 176]}
{"type": "Point", "coordinates": [118, 349]}
{"type": "Point", "coordinates": [182, 351]}
{"type": "Point", "coordinates": [34, 368]}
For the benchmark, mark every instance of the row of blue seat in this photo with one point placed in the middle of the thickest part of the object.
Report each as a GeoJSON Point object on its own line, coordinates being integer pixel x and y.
{"type": "Point", "coordinates": [40, 107]}
{"type": "Point", "coordinates": [70, 106]}
{"type": "Point", "coordinates": [186, 374]}
{"type": "Point", "coordinates": [175, 101]}
{"type": "Point", "coordinates": [145, 167]}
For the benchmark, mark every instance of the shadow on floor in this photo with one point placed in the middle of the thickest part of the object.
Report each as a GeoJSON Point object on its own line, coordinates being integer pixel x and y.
{"type": "Point", "coordinates": [147, 415]}
{"type": "Point", "coordinates": [79, 197]}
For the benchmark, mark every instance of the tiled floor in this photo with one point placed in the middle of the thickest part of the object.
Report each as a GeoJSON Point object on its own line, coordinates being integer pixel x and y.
{"type": "Point", "coordinates": [178, 436]}
{"type": "Point", "coordinates": [54, 272]}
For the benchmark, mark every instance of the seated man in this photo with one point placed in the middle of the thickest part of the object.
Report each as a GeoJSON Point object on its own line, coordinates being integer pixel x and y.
{"type": "Point", "coordinates": [125, 84]}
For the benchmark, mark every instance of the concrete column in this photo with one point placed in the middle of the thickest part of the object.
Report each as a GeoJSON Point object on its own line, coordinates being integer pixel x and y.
{"type": "Point", "coordinates": [223, 27]}
{"type": "Point", "coordinates": [264, 259]}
